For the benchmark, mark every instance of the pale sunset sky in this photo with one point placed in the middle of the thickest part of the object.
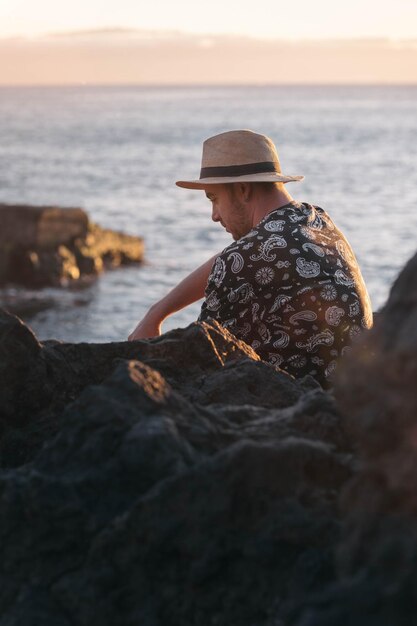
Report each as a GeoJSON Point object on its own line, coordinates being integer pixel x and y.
{"type": "Point", "coordinates": [186, 41]}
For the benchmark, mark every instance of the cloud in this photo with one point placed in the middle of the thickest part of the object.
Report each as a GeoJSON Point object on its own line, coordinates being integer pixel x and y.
{"type": "Point", "coordinates": [132, 56]}
{"type": "Point", "coordinates": [111, 34]}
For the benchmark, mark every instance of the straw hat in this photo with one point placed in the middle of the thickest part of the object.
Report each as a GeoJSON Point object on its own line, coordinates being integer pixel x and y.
{"type": "Point", "coordinates": [238, 156]}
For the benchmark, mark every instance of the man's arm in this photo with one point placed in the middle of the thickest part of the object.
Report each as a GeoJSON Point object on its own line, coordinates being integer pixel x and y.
{"type": "Point", "coordinates": [189, 290]}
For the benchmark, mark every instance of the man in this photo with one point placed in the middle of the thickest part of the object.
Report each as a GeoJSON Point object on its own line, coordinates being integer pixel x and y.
{"type": "Point", "coordinates": [289, 284]}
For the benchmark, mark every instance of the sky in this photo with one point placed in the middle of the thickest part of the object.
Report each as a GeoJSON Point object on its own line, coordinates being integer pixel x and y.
{"type": "Point", "coordinates": [184, 41]}
{"type": "Point", "coordinates": [263, 18]}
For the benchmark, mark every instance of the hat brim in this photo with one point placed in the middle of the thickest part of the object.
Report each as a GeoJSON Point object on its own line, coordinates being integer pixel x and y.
{"type": "Point", "coordinates": [266, 177]}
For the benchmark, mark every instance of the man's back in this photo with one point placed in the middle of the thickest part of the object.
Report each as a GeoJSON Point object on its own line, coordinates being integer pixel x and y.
{"type": "Point", "coordinates": [290, 285]}
{"type": "Point", "coordinates": [292, 289]}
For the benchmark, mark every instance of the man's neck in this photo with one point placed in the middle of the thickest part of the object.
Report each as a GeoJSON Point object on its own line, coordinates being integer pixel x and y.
{"type": "Point", "coordinates": [267, 202]}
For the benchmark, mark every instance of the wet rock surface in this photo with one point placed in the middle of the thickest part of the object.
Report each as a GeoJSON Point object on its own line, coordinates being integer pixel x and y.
{"type": "Point", "coordinates": [181, 481]}
{"type": "Point", "coordinates": [52, 246]}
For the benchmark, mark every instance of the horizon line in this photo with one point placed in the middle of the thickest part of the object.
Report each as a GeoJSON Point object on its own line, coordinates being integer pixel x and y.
{"type": "Point", "coordinates": [203, 85]}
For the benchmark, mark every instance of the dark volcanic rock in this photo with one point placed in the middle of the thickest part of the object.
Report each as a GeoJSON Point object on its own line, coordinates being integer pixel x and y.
{"type": "Point", "coordinates": [181, 481]}
{"type": "Point", "coordinates": [177, 481]}
{"type": "Point", "coordinates": [42, 246]}
{"type": "Point", "coordinates": [38, 381]}
{"type": "Point", "coordinates": [41, 378]}
{"type": "Point", "coordinates": [377, 557]}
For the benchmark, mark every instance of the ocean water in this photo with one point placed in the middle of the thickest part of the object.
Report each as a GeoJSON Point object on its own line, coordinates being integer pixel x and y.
{"type": "Point", "coordinates": [117, 151]}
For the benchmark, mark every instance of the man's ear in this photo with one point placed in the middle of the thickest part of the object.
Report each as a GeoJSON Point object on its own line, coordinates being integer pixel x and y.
{"type": "Point", "coordinates": [245, 190]}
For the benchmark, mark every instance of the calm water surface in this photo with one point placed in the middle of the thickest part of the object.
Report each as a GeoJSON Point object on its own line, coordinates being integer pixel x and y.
{"type": "Point", "coordinates": [117, 152]}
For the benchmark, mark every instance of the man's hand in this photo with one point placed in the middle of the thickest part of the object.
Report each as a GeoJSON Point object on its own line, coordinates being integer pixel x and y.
{"type": "Point", "coordinates": [148, 327]}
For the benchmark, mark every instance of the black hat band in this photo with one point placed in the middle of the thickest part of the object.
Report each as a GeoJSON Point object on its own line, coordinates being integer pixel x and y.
{"type": "Point", "coordinates": [240, 170]}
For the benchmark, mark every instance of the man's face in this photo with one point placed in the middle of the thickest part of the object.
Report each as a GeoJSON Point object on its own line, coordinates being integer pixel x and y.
{"type": "Point", "coordinates": [229, 210]}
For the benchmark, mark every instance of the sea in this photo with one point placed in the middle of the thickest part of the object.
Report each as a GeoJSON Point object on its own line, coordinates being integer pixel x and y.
{"type": "Point", "coordinates": [117, 152]}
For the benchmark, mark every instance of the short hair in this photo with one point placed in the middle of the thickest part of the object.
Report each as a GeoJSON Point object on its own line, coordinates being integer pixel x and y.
{"type": "Point", "coordinates": [264, 186]}
{"type": "Point", "coordinates": [267, 187]}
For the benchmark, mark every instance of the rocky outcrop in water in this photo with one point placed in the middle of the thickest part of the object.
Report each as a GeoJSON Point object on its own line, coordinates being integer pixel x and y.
{"type": "Point", "coordinates": [181, 480]}
{"type": "Point", "coordinates": [41, 246]}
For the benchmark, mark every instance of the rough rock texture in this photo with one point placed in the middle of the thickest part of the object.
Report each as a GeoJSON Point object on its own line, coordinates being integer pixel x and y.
{"type": "Point", "coordinates": [178, 480]}
{"type": "Point", "coordinates": [181, 481]}
{"type": "Point", "coordinates": [42, 246]}
{"type": "Point", "coordinates": [377, 555]}
{"type": "Point", "coordinates": [33, 227]}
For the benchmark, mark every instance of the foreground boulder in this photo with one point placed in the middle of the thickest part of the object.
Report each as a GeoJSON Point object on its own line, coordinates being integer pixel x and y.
{"type": "Point", "coordinates": [181, 480]}
{"type": "Point", "coordinates": [178, 480]}
{"type": "Point", "coordinates": [377, 554]}
{"type": "Point", "coordinates": [42, 246]}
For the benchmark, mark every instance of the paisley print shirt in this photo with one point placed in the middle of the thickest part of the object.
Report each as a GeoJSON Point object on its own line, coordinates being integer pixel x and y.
{"type": "Point", "coordinates": [293, 290]}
